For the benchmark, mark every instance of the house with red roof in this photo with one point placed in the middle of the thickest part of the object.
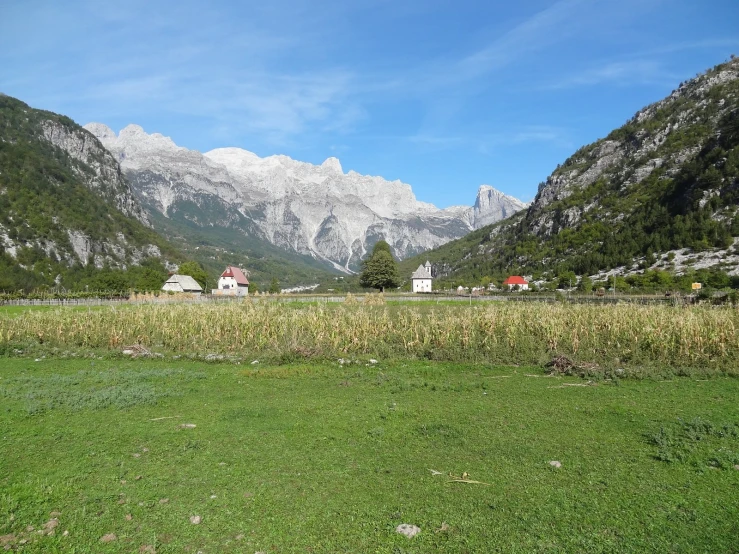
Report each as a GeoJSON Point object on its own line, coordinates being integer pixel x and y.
{"type": "Point", "coordinates": [516, 280]}
{"type": "Point", "coordinates": [232, 282]}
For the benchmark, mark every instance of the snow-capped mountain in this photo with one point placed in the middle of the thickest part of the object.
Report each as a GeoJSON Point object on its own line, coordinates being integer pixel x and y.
{"type": "Point", "coordinates": [311, 209]}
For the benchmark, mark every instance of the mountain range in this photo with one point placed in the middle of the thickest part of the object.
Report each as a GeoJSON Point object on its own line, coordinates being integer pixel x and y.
{"type": "Point", "coordinates": [312, 210]}
{"type": "Point", "coordinates": [86, 207]}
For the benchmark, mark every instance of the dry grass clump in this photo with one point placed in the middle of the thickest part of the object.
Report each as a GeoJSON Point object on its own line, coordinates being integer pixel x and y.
{"type": "Point", "coordinates": [562, 365]}
{"type": "Point", "coordinates": [503, 333]}
{"type": "Point", "coordinates": [375, 299]}
{"type": "Point", "coordinates": [162, 297]}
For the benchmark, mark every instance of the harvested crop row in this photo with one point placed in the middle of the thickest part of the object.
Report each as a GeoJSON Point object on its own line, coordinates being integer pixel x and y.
{"type": "Point", "coordinates": [506, 332]}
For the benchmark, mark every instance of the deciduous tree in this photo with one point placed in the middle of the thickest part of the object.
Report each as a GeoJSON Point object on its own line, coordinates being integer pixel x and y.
{"type": "Point", "coordinates": [380, 270]}
{"type": "Point", "coordinates": [194, 270]}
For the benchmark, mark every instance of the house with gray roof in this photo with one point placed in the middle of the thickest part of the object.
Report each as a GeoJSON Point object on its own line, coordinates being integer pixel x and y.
{"type": "Point", "coordinates": [421, 280]}
{"type": "Point", "coordinates": [182, 283]}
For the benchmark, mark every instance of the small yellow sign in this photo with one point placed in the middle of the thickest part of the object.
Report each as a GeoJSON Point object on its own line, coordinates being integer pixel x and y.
{"type": "Point", "coordinates": [697, 286]}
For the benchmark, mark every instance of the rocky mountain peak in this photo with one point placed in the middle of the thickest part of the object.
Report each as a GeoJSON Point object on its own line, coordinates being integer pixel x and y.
{"type": "Point", "coordinates": [132, 138]}
{"type": "Point", "coordinates": [333, 164]}
{"type": "Point", "coordinates": [491, 205]}
{"type": "Point", "coordinates": [101, 131]}
{"type": "Point", "coordinates": [135, 135]}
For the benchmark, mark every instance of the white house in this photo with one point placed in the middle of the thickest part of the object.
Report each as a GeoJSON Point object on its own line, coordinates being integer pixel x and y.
{"type": "Point", "coordinates": [421, 279]}
{"type": "Point", "coordinates": [232, 282]}
{"type": "Point", "coordinates": [182, 283]}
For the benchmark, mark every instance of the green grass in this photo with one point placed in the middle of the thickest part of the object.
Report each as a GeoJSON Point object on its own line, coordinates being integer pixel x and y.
{"type": "Point", "coordinates": [331, 458]}
{"type": "Point", "coordinates": [20, 310]}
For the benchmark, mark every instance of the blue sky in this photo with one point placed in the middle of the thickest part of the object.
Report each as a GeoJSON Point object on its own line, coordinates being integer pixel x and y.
{"type": "Point", "coordinates": [444, 95]}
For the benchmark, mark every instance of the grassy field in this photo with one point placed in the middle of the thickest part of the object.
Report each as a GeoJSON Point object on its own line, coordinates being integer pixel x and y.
{"type": "Point", "coordinates": [21, 310]}
{"type": "Point", "coordinates": [332, 457]}
{"type": "Point", "coordinates": [616, 337]}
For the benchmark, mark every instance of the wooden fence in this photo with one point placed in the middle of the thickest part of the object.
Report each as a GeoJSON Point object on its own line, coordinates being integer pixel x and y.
{"type": "Point", "coordinates": [288, 298]}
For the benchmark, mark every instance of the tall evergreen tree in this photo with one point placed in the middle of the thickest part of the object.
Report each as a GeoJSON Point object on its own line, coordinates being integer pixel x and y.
{"type": "Point", "coordinates": [274, 286]}
{"type": "Point", "coordinates": [585, 284]}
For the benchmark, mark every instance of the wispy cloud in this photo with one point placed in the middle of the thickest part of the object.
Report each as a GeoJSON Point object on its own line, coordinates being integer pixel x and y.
{"type": "Point", "coordinates": [272, 70]}
{"type": "Point", "coordinates": [132, 89]}
{"type": "Point", "coordinates": [436, 141]}
{"type": "Point", "coordinates": [233, 72]}
{"type": "Point", "coordinates": [448, 86]}
{"type": "Point", "coordinates": [284, 106]}
{"type": "Point", "coordinates": [487, 143]}
{"type": "Point", "coordinates": [712, 43]}
{"type": "Point", "coordinates": [621, 73]}
{"type": "Point", "coordinates": [529, 36]}
{"type": "Point", "coordinates": [562, 21]}
{"type": "Point", "coordinates": [276, 106]}
{"type": "Point", "coordinates": [640, 68]}
{"type": "Point", "coordinates": [535, 134]}
{"type": "Point", "coordinates": [530, 134]}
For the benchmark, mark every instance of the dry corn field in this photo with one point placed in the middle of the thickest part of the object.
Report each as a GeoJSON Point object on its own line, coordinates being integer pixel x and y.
{"type": "Point", "coordinates": [698, 337]}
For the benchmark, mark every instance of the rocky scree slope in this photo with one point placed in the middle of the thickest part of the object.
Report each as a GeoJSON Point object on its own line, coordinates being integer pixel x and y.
{"type": "Point", "coordinates": [665, 182]}
{"type": "Point", "coordinates": [64, 202]}
{"type": "Point", "coordinates": [315, 210]}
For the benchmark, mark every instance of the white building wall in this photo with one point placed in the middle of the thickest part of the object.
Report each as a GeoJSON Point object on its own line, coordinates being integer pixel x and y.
{"type": "Point", "coordinates": [233, 287]}
{"type": "Point", "coordinates": [520, 287]}
{"type": "Point", "coordinates": [421, 285]}
{"type": "Point", "coordinates": [234, 291]}
{"type": "Point", "coordinates": [230, 281]}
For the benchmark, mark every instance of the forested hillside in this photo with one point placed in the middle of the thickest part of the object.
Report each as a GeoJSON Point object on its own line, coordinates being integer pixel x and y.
{"type": "Point", "coordinates": [659, 193]}
{"type": "Point", "coordinates": [68, 219]}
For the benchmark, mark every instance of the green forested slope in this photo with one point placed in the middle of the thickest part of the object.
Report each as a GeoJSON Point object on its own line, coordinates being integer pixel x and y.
{"type": "Point", "coordinates": [59, 186]}
{"type": "Point", "coordinates": [216, 247]}
{"type": "Point", "coordinates": [667, 180]}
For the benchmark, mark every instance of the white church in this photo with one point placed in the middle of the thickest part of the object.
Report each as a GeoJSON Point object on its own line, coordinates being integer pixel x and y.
{"type": "Point", "coordinates": [421, 279]}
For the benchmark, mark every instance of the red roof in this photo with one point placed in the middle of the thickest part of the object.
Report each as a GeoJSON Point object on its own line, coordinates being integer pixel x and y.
{"type": "Point", "coordinates": [515, 280]}
{"type": "Point", "coordinates": [237, 274]}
